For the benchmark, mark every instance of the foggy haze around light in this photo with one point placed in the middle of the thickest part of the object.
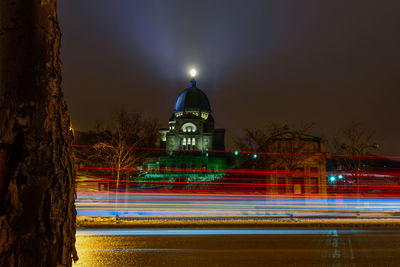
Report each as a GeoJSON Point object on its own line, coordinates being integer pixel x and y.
{"type": "Point", "coordinates": [258, 61]}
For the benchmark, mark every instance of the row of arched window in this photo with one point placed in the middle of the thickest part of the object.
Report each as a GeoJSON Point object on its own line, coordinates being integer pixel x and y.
{"type": "Point", "coordinates": [189, 141]}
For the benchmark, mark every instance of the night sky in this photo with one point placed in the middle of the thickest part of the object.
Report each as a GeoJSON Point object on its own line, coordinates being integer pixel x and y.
{"type": "Point", "coordinates": [330, 62]}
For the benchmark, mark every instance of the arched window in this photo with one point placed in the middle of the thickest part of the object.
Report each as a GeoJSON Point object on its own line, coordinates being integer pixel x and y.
{"type": "Point", "coordinates": [189, 127]}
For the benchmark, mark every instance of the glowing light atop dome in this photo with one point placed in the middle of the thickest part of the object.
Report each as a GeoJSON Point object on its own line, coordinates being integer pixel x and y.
{"type": "Point", "coordinates": [193, 72]}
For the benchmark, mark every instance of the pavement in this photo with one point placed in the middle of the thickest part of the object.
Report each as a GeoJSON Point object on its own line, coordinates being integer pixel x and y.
{"type": "Point", "coordinates": [238, 247]}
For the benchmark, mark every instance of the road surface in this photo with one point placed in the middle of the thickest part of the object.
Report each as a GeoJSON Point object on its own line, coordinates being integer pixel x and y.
{"type": "Point", "coordinates": [238, 247]}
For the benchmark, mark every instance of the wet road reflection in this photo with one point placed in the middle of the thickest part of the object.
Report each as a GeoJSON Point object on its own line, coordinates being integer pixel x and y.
{"type": "Point", "coordinates": [238, 247]}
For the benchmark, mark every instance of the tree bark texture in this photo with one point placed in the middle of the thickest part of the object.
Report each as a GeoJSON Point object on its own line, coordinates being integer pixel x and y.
{"type": "Point", "coordinates": [37, 177]}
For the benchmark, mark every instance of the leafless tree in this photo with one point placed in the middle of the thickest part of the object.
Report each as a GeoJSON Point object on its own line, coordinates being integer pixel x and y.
{"type": "Point", "coordinates": [354, 142]}
{"type": "Point", "coordinates": [254, 140]}
{"type": "Point", "coordinates": [284, 147]}
{"type": "Point", "coordinates": [37, 178]}
{"type": "Point", "coordinates": [122, 141]}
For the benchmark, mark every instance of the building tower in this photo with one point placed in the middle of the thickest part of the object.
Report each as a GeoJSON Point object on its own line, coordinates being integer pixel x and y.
{"type": "Point", "coordinates": [191, 126]}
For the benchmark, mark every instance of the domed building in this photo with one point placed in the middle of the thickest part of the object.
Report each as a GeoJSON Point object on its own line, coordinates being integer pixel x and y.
{"type": "Point", "coordinates": [192, 144]}
{"type": "Point", "coordinates": [191, 126]}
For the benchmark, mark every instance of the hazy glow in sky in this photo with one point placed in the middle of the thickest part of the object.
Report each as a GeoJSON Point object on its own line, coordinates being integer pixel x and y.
{"type": "Point", "coordinates": [287, 61]}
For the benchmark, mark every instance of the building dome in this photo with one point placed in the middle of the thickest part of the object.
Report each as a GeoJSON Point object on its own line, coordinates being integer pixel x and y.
{"type": "Point", "coordinates": [192, 99]}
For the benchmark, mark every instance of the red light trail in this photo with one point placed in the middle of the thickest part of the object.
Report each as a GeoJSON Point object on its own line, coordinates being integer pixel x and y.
{"type": "Point", "coordinates": [240, 192]}
{"type": "Point", "coordinates": [254, 152]}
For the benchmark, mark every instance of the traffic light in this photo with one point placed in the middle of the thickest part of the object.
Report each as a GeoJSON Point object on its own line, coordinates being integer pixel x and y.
{"type": "Point", "coordinates": [332, 179]}
{"type": "Point", "coordinates": [255, 156]}
{"type": "Point", "coordinates": [236, 152]}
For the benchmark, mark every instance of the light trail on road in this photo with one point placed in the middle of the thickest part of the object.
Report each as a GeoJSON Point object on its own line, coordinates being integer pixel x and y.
{"type": "Point", "coordinates": [191, 232]}
{"type": "Point", "coordinates": [250, 152]}
{"type": "Point", "coordinates": [237, 191]}
{"type": "Point", "coordinates": [140, 205]}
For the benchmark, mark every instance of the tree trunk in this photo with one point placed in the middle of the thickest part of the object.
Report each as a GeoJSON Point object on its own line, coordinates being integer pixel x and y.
{"type": "Point", "coordinates": [37, 178]}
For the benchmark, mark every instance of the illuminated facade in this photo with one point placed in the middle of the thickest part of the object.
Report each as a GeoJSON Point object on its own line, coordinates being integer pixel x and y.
{"type": "Point", "coordinates": [191, 142]}
{"type": "Point", "coordinates": [191, 126]}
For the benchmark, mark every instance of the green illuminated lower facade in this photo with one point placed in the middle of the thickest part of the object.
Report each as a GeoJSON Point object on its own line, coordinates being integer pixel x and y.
{"type": "Point", "coordinates": [185, 168]}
